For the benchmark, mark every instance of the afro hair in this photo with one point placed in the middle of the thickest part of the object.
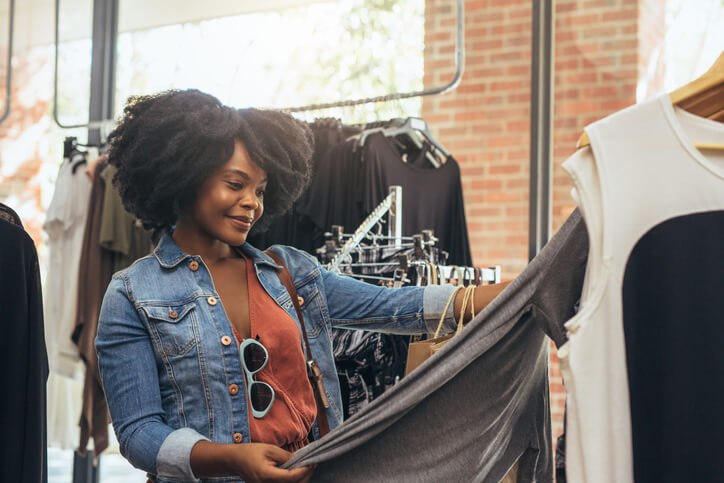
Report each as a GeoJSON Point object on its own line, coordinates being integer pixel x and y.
{"type": "Point", "coordinates": [166, 145]}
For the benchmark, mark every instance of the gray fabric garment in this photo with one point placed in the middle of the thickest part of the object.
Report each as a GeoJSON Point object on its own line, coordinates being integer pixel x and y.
{"type": "Point", "coordinates": [481, 403]}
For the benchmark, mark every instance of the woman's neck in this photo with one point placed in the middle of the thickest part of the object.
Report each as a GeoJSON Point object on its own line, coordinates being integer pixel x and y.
{"type": "Point", "coordinates": [197, 242]}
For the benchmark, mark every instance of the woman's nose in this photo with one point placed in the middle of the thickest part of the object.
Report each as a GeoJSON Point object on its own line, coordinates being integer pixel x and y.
{"type": "Point", "coordinates": [249, 201]}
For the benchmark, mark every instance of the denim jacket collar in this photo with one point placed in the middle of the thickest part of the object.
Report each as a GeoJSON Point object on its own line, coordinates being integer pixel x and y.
{"type": "Point", "coordinates": [169, 254]}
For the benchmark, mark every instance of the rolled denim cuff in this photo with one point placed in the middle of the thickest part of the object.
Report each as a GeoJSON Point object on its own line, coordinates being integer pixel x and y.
{"type": "Point", "coordinates": [173, 461]}
{"type": "Point", "coordinates": [434, 299]}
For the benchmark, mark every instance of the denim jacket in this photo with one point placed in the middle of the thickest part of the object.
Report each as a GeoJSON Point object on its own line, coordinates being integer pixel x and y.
{"type": "Point", "coordinates": [167, 365]}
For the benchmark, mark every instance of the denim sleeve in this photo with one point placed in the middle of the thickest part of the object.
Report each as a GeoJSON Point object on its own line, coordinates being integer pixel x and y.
{"type": "Point", "coordinates": [353, 304]}
{"type": "Point", "coordinates": [128, 371]}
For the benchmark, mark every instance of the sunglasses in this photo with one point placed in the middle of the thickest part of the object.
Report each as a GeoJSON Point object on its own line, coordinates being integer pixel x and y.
{"type": "Point", "coordinates": [254, 357]}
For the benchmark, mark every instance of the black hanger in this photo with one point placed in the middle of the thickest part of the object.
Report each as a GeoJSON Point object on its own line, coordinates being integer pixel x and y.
{"type": "Point", "coordinates": [415, 130]}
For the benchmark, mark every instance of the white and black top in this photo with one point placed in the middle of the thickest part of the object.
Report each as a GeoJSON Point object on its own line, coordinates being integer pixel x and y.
{"type": "Point", "coordinates": [644, 364]}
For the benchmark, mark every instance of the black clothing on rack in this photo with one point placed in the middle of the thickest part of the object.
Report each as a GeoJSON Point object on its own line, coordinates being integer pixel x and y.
{"type": "Point", "coordinates": [296, 228]}
{"type": "Point", "coordinates": [367, 364]}
{"type": "Point", "coordinates": [432, 199]}
{"type": "Point", "coordinates": [23, 406]}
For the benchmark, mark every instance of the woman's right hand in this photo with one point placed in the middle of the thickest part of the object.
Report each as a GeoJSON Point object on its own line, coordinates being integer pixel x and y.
{"type": "Point", "coordinates": [257, 463]}
{"type": "Point", "coordinates": [253, 462]}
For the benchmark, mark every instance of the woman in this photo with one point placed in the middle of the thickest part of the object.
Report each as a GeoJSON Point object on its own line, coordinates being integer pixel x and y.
{"type": "Point", "coordinates": [171, 324]}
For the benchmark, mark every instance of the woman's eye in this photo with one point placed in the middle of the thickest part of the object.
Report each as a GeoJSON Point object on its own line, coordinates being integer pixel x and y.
{"type": "Point", "coordinates": [260, 193]}
{"type": "Point", "coordinates": [235, 186]}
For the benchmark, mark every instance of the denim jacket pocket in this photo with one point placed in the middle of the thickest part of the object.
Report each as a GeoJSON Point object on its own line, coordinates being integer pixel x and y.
{"type": "Point", "coordinates": [313, 308]}
{"type": "Point", "coordinates": [174, 326]}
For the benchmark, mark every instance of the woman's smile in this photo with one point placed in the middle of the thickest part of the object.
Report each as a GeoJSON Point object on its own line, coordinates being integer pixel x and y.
{"type": "Point", "coordinates": [241, 223]}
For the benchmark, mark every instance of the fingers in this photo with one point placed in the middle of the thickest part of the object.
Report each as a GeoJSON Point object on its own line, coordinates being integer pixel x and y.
{"type": "Point", "coordinates": [310, 472]}
{"type": "Point", "coordinates": [278, 455]}
{"type": "Point", "coordinates": [297, 475]}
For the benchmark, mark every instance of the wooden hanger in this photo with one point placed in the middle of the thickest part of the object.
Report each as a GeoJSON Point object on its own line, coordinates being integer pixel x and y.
{"type": "Point", "coordinates": [703, 96]}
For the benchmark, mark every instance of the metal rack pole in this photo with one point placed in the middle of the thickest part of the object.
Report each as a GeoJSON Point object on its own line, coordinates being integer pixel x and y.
{"type": "Point", "coordinates": [450, 86]}
{"type": "Point", "coordinates": [541, 121]}
{"type": "Point", "coordinates": [394, 216]}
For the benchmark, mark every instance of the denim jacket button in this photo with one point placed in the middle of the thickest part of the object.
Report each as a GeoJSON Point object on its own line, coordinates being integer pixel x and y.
{"type": "Point", "coordinates": [194, 266]}
{"type": "Point", "coordinates": [211, 300]}
{"type": "Point", "coordinates": [238, 438]}
{"type": "Point", "coordinates": [226, 340]}
{"type": "Point", "coordinates": [233, 389]}
{"type": "Point", "coordinates": [173, 314]}
{"type": "Point", "coordinates": [300, 300]}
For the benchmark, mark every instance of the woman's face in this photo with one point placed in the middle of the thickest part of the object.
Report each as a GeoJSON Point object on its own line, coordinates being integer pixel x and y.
{"type": "Point", "coordinates": [231, 200]}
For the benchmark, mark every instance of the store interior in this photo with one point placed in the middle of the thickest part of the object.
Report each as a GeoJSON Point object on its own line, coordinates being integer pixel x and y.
{"type": "Point", "coordinates": [465, 122]}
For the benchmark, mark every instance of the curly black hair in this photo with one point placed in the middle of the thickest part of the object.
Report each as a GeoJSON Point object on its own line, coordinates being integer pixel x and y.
{"type": "Point", "coordinates": [167, 144]}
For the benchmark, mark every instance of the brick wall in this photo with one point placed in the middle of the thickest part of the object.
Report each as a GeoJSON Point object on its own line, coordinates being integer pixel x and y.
{"type": "Point", "coordinates": [602, 49]}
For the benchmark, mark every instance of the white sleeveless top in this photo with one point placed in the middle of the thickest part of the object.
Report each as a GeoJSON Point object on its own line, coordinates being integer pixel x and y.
{"type": "Point", "coordinates": [641, 177]}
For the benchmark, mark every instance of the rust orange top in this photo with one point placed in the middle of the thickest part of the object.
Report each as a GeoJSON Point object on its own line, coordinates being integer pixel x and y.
{"type": "Point", "coordinates": [294, 410]}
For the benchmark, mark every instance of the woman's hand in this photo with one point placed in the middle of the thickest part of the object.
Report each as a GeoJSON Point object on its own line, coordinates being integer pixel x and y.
{"type": "Point", "coordinates": [253, 462]}
{"type": "Point", "coordinates": [483, 295]}
{"type": "Point", "coordinates": [258, 462]}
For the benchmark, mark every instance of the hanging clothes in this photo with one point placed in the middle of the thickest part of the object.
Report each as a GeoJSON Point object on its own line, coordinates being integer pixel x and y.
{"type": "Point", "coordinates": [95, 272]}
{"type": "Point", "coordinates": [432, 199]}
{"type": "Point", "coordinates": [64, 223]}
{"type": "Point", "coordinates": [112, 240]}
{"type": "Point", "coordinates": [480, 404]}
{"type": "Point", "coordinates": [367, 363]}
{"type": "Point", "coordinates": [297, 228]}
{"type": "Point", "coordinates": [642, 366]}
{"type": "Point", "coordinates": [120, 232]}
{"type": "Point", "coordinates": [23, 406]}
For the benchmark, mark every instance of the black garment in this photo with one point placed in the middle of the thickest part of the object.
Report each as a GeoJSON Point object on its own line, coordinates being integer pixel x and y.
{"type": "Point", "coordinates": [367, 364]}
{"type": "Point", "coordinates": [23, 405]}
{"type": "Point", "coordinates": [9, 215]}
{"type": "Point", "coordinates": [336, 192]}
{"type": "Point", "coordinates": [431, 198]}
{"type": "Point", "coordinates": [296, 227]}
{"type": "Point", "coordinates": [673, 306]}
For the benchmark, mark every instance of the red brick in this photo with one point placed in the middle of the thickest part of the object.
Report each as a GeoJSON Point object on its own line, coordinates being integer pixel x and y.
{"type": "Point", "coordinates": [518, 126]}
{"type": "Point", "coordinates": [620, 15]}
{"type": "Point", "coordinates": [520, 98]}
{"type": "Point", "coordinates": [580, 20]}
{"type": "Point", "coordinates": [487, 184]}
{"type": "Point", "coordinates": [508, 86]}
{"type": "Point", "coordinates": [505, 169]}
{"type": "Point", "coordinates": [566, 36]}
{"type": "Point", "coordinates": [472, 6]}
{"type": "Point", "coordinates": [488, 128]}
{"type": "Point", "coordinates": [604, 91]}
{"type": "Point", "coordinates": [507, 56]}
{"type": "Point", "coordinates": [502, 197]}
{"type": "Point", "coordinates": [576, 107]}
{"type": "Point", "coordinates": [436, 37]}
{"type": "Point", "coordinates": [487, 45]}
{"type": "Point", "coordinates": [502, 141]}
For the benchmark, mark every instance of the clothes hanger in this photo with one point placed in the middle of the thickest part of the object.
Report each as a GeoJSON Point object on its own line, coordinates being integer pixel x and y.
{"type": "Point", "coordinates": [704, 96]}
{"type": "Point", "coordinates": [415, 130]}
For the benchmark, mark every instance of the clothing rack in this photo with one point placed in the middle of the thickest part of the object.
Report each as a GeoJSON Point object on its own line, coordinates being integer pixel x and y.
{"type": "Point", "coordinates": [450, 86]}
{"type": "Point", "coordinates": [392, 206]}
{"type": "Point", "coordinates": [486, 275]}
